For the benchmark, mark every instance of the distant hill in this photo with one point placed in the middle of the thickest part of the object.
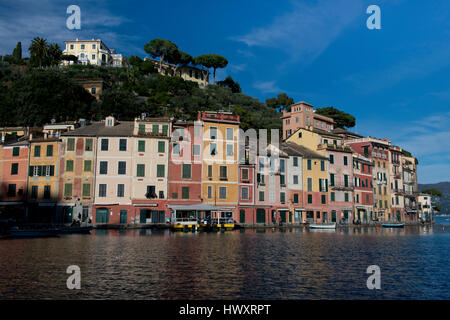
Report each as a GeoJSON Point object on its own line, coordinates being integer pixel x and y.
{"type": "Point", "coordinates": [444, 187]}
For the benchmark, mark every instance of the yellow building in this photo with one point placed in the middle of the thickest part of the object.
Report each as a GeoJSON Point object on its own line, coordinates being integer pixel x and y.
{"type": "Point", "coordinates": [93, 52]}
{"type": "Point", "coordinates": [220, 161]}
{"type": "Point", "coordinates": [42, 191]}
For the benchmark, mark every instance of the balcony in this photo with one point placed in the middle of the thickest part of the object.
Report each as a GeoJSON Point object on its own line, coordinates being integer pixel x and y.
{"type": "Point", "coordinates": [332, 146]}
{"type": "Point", "coordinates": [342, 186]}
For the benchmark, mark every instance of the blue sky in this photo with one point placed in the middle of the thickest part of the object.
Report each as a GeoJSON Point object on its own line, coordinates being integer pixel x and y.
{"type": "Point", "coordinates": [394, 80]}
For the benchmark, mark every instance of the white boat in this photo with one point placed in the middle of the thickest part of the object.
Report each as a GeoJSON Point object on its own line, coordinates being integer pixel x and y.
{"type": "Point", "coordinates": [323, 226]}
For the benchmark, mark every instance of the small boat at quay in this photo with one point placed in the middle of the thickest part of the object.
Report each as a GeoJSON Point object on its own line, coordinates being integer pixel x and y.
{"type": "Point", "coordinates": [326, 226]}
{"type": "Point", "coordinates": [393, 225]}
{"type": "Point", "coordinates": [33, 233]}
{"type": "Point", "coordinates": [76, 229]}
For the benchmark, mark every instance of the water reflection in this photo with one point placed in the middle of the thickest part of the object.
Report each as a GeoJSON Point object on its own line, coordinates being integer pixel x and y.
{"type": "Point", "coordinates": [289, 263]}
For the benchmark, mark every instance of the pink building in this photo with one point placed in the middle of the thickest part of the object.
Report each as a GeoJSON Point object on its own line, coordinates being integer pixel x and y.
{"type": "Point", "coordinates": [302, 115]}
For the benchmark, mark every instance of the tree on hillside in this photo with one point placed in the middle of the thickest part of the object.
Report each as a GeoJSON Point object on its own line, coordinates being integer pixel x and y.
{"type": "Point", "coordinates": [54, 54]}
{"type": "Point", "coordinates": [160, 48]}
{"type": "Point", "coordinates": [17, 53]}
{"type": "Point", "coordinates": [230, 83]}
{"type": "Point", "coordinates": [282, 100]}
{"type": "Point", "coordinates": [213, 61]}
{"type": "Point", "coordinates": [433, 192]}
{"type": "Point", "coordinates": [38, 49]}
{"type": "Point", "coordinates": [179, 59]}
{"type": "Point", "coordinates": [341, 118]}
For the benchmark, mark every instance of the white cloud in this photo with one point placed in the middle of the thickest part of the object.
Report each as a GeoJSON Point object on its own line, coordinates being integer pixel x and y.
{"type": "Point", "coordinates": [307, 30]}
{"type": "Point", "coordinates": [266, 86]}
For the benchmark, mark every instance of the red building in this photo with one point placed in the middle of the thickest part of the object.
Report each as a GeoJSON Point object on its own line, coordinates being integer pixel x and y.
{"type": "Point", "coordinates": [185, 171]}
{"type": "Point", "coordinates": [363, 189]}
{"type": "Point", "coordinates": [14, 174]}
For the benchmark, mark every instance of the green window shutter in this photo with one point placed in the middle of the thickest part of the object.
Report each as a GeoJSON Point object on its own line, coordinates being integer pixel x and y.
{"type": "Point", "coordinates": [186, 171]}
{"type": "Point", "coordinates": [70, 144]}
{"type": "Point", "coordinates": [49, 151]}
{"type": "Point", "coordinates": [14, 168]}
{"type": "Point", "coordinates": [16, 151]}
{"type": "Point", "coordinates": [309, 164]}
{"type": "Point", "coordinates": [322, 165]}
{"type": "Point", "coordinates": [345, 180]}
{"type": "Point", "coordinates": [68, 190]}
{"type": "Point", "coordinates": [184, 192]}
{"type": "Point", "coordinates": [88, 145]}
{"type": "Point", "coordinates": [140, 170]}
{"type": "Point", "coordinates": [295, 198]}
{"type": "Point", "coordinates": [86, 190]}
{"type": "Point", "coordinates": [69, 165]}
{"type": "Point", "coordinates": [87, 165]}
{"type": "Point", "coordinates": [155, 128]}
{"type": "Point", "coordinates": [332, 179]}
{"type": "Point", "coordinates": [161, 146]}
{"type": "Point", "coordinates": [332, 196]}
{"type": "Point", "coordinates": [141, 145]}
{"type": "Point", "coordinates": [52, 171]}
{"type": "Point", "coordinates": [142, 128]}
{"type": "Point", "coordinates": [165, 128]}
{"type": "Point", "coordinates": [40, 171]}
{"type": "Point", "coordinates": [37, 151]}
{"type": "Point", "coordinates": [160, 171]}
{"type": "Point", "coordinates": [30, 171]}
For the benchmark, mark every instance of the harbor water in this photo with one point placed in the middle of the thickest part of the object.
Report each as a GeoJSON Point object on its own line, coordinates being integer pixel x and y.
{"type": "Point", "coordinates": [243, 264]}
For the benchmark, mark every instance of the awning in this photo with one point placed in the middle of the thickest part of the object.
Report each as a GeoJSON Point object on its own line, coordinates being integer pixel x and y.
{"type": "Point", "coordinates": [10, 203]}
{"type": "Point", "coordinates": [66, 204]}
{"type": "Point", "coordinates": [283, 209]}
{"type": "Point", "coordinates": [145, 204]}
{"type": "Point", "coordinates": [195, 207]}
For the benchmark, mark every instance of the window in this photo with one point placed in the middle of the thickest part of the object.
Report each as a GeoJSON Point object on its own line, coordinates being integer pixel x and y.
{"type": "Point", "coordinates": [93, 46]}
{"type": "Point", "coordinates": [102, 190]}
{"type": "Point", "coordinates": [209, 192]}
{"type": "Point", "coordinates": [49, 151]}
{"type": "Point", "coordinates": [174, 195]}
{"type": "Point", "coordinates": [47, 192]}
{"type": "Point", "coordinates": [160, 171]}
{"type": "Point", "coordinates": [295, 197]}
{"type": "Point", "coordinates": [222, 192]}
{"type": "Point", "coordinates": [34, 192]}
{"type": "Point", "coordinates": [213, 133]}
{"type": "Point", "coordinates": [140, 170]}
{"type": "Point", "coordinates": [82, 47]}
{"type": "Point", "coordinates": [69, 165]}
{"type": "Point", "coordinates": [150, 192]}
{"type": "Point", "coordinates": [104, 144]}
{"type": "Point", "coordinates": [120, 190]}
{"type": "Point", "coordinates": [283, 179]}
{"type": "Point", "coordinates": [230, 134]}
{"type": "Point", "coordinates": [184, 192]}
{"type": "Point", "coordinates": [196, 131]}
{"type": "Point", "coordinates": [346, 197]}
{"type": "Point", "coordinates": [71, 144]}
{"type": "Point", "coordinates": [87, 165]}
{"type": "Point", "coordinates": [161, 146]}
{"type": "Point", "coordinates": [123, 145]}
{"type": "Point", "coordinates": [196, 149]}
{"type": "Point", "coordinates": [282, 166]}
{"type": "Point", "coordinates": [68, 190]}
{"type": "Point", "coordinates": [93, 58]}
{"type": "Point", "coordinates": [310, 198]}
{"type": "Point", "coordinates": [142, 128]}
{"type": "Point", "coordinates": [332, 179]}
{"type": "Point", "coordinates": [16, 151]}
{"type": "Point", "coordinates": [295, 177]}
{"type": "Point", "coordinates": [103, 167]}
{"type": "Point", "coordinates": [212, 149]}
{"type": "Point", "coordinates": [161, 194]}
{"type": "Point", "coordinates": [176, 148]}
{"type": "Point", "coordinates": [322, 165]}
{"type": "Point", "coordinates": [295, 163]}
{"type": "Point", "coordinates": [261, 196]}
{"type": "Point", "coordinates": [333, 196]}
{"type": "Point", "coordinates": [210, 171]}
{"type": "Point", "coordinates": [165, 128]}
{"type": "Point", "coordinates": [71, 47]}
{"type": "Point", "coordinates": [230, 150]}
{"type": "Point", "coordinates": [310, 184]}
{"type": "Point", "coordinates": [345, 161]}
{"type": "Point", "coordinates": [244, 193]}
{"type": "Point", "coordinates": [331, 158]}
{"type": "Point", "coordinates": [366, 151]}
{"type": "Point", "coordinates": [346, 180]}
{"type": "Point", "coordinates": [88, 146]}
{"type": "Point", "coordinates": [309, 165]}
{"type": "Point", "coordinates": [223, 172]}
{"type": "Point", "coordinates": [141, 146]}
{"type": "Point", "coordinates": [155, 128]}
{"type": "Point", "coordinates": [282, 197]}
{"type": "Point", "coordinates": [187, 171]}
{"type": "Point", "coordinates": [122, 167]}
{"type": "Point", "coordinates": [323, 199]}
{"type": "Point", "coordinates": [86, 190]}
{"type": "Point", "coordinates": [11, 190]}
{"type": "Point", "coordinates": [37, 151]}
{"type": "Point", "coordinates": [14, 168]}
